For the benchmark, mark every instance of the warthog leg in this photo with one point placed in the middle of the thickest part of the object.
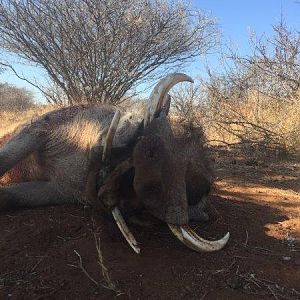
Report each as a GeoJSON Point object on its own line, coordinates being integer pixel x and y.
{"type": "Point", "coordinates": [19, 147]}
{"type": "Point", "coordinates": [31, 194]}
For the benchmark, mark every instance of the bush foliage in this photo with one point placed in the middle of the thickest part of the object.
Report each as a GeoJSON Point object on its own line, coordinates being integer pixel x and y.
{"type": "Point", "coordinates": [13, 98]}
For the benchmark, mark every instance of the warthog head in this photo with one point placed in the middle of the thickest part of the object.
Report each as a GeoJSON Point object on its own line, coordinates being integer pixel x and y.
{"type": "Point", "coordinates": [166, 180]}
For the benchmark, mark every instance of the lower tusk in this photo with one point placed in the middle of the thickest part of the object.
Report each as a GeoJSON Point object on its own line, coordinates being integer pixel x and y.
{"type": "Point", "coordinates": [125, 230]}
{"type": "Point", "coordinates": [188, 237]}
{"type": "Point", "coordinates": [202, 244]}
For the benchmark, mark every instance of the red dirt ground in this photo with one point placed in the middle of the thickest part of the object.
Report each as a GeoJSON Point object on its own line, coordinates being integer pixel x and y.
{"type": "Point", "coordinates": [258, 202]}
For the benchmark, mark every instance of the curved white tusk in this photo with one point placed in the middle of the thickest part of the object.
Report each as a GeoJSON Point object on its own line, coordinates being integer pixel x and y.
{"type": "Point", "coordinates": [159, 94]}
{"type": "Point", "coordinates": [188, 237]}
{"type": "Point", "coordinates": [110, 134]}
{"type": "Point", "coordinates": [125, 230]}
{"type": "Point", "coordinates": [116, 212]}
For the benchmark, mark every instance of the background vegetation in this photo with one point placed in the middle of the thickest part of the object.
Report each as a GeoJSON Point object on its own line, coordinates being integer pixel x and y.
{"type": "Point", "coordinates": [254, 101]}
{"type": "Point", "coordinates": [101, 51]}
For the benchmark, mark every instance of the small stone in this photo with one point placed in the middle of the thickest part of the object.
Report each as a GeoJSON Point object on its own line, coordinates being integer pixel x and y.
{"type": "Point", "coordinates": [286, 258]}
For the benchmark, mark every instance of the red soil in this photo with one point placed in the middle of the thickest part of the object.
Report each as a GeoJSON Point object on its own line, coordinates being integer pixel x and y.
{"type": "Point", "coordinates": [258, 203]}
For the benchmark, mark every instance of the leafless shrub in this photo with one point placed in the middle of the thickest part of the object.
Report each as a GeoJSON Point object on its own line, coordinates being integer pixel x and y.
{"type": "Point", "coordinates": [187, 101]}
{"type": "Point", "coordinates": [274, 66]}
{"type": "Point", "coordinates": [255, 101]}
{"type": "Point", "coordinates": [13, 98]}
{"type": "Point", "coordinates": [95, 50]}
{"type": "Point", "coordinates": [54, 94]}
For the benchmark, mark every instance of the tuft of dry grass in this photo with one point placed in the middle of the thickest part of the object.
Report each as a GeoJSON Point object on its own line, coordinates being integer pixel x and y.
{"type": "Point", "coordinates": [11, 120]}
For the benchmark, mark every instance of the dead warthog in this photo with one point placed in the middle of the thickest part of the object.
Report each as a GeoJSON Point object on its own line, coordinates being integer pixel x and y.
{"type": "Point", "coordinates": [120, 160]}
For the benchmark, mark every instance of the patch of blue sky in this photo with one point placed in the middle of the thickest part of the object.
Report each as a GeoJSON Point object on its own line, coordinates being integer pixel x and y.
{"type": "Point", "coordinates": [236, 18]}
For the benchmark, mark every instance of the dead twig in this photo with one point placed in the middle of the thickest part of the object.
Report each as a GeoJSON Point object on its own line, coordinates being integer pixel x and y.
{"type": "Point", "coordinates": [82, 268]}
{"type": "Point", "coordinates": [38, 262]}
{"type": "Point", "coordinates": [258, 249]}
{"type": "Point", "coordinates": [69, 238]}
{"type": "Point", "coordinates": [265, 286]}
{"type": "Point", "coordinates": [247, 237]}
{"type": "Point", "coordinates": [295, 291]}
{"type": "Point", "coordinates": [204, 295]}
{"type": "Point", "coordinates": [109, 284]}
{"type": "Point", "coordinates": [272, 292]}
{"type": "Point", "coordinates": [53, 291]}
{"type": "Point", "coordinates": [225, 269]}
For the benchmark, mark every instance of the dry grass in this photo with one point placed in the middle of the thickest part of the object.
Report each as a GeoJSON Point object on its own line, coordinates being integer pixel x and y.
{"type": "Point", "coordinates": [10, 120]}
{"type": "Point", "coordinates": [258, 123]}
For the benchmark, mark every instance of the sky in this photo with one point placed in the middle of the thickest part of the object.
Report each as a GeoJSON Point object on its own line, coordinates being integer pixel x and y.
{"type": "Point", "coordinates": [235, 18]}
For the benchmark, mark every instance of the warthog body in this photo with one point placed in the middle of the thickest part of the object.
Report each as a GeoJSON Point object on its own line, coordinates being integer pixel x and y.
{"type": "Point", "coordinates": [56, 159]}
{"type": "Point", "coordinates": [48, 159]}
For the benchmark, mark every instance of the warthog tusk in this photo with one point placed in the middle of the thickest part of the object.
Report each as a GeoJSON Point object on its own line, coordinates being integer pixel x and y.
{"type": "Point", "coordinates": [125, 230]}
{"type": "Point", "coordinates": [188, 237]}
{"type": "Point", "coordinates": [115, 211]}
{"type": "Point", "coordinates": [159, 95]}
{"type": "Point", "coordinates": [110, 134]}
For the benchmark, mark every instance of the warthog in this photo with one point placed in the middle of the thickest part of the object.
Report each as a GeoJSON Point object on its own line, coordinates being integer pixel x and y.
{"type": "Point", "coordinates": [98, 154]}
